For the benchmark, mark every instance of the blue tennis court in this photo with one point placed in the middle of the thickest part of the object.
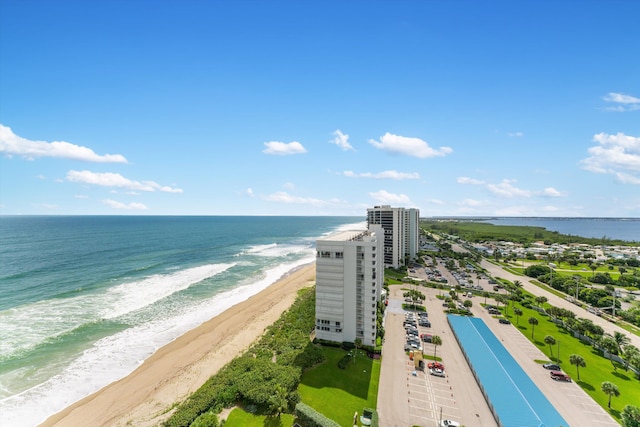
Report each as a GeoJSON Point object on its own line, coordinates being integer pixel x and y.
{"type": "Point", "coordinates": [512, 397]}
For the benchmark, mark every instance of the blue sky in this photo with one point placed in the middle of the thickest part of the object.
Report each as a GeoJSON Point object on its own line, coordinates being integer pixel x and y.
{"type": "Point", "coordinates": [526, 108]}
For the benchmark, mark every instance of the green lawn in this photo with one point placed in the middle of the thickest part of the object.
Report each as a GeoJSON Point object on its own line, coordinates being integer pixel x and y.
{"type": "Point", "coordinates": [597, 369]}
{"type": "Point", "coordinates": [240, 418]}
{"type": "Point", "coordinates": [338, 393]}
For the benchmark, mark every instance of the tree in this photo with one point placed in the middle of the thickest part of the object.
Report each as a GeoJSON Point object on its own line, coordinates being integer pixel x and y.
{"type": "Point", "coordinates": [533, 322]}
{"type": "Point", "coordinates": [621, 340]}
{"type": "Point", "coordinates": [540, 300]}
{"type": "Point", "coordinates": [357, 343]}
{"type": "Point", "coordinates": [518, 313]}
{"type": "Point", "coordinates": [278, 402]}
{"type": "Point", "coordinates": [485, 294]}
{"type": "Point", "coordinates": [576, 359]}
{"type": "Point", "coordinates": [467, 303]}
{"type": "Point", "coordinates": [550, 341]}
{"type": "Point", "coordinates": [436, 341]}
{"type": "Point", "coordinates": [607, 342]}
{"type": "Point", "coordinates": [517, 283]}
{"type": "Point", "coordinates": [631, 416]}
{"type": "Point", "coordinates": [610, 389]}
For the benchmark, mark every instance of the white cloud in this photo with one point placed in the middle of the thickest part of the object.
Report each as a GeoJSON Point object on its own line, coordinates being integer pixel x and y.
{"type": "Point", "coordinates": [505, 189]}
{"type": "Point", "coordinates": [624, 102]}
{"type": "Point", "coordinates": [49, 206]}
{"type": "Point", "coordinates": [467, 180]}
{"type": "Point", "coordinates": [81, 196]}
{"type": "Point", "coordinates": [515, 134]}
{"type": "Point", "coordinates": [341, 140]}
{"type": "Point", "coordinates": [414, 147]}
{"type": "Point", "coordinates": [12, 144]}
{"type": "Point", "coordinates": [283, 149]}
{"type": "Point", "coordinates": [385, 197]}
{"type": "Point", "coordinates": [42, 177]}
{"type": "Point", "coordinates": [119, 205]}
{"type": "Point", "coordinates": [618, 155]}
{"type": "Point", "coordinates": [289, 186]}
{"type": "Point", "coordinates": [108, 179]}
{"type": "Point", "coordinates": [552, 192]}
{"type": "Point", "coordinates": [389, 174]}
{"type": "Point", "coordinates": [284, 197]}
{"type": "Point", "coordinates": [249, 192]}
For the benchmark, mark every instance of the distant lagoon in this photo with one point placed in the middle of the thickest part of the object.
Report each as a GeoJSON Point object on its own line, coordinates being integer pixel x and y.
{"type": "Point", "coordinates": [627, 229]}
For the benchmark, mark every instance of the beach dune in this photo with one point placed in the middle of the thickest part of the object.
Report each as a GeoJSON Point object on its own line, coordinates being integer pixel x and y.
{"type": "Point", "coordinates": [145, 397]}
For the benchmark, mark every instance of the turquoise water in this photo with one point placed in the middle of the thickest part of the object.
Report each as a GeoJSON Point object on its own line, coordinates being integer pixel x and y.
{"type": "Point", "coordinates": [84, 300]}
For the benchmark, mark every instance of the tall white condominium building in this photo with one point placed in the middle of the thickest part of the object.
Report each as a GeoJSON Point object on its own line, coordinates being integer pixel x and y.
{"type": "Point", "coordinates": [349, 279]}
{"type": "Point", "coordinates": [401, 232]}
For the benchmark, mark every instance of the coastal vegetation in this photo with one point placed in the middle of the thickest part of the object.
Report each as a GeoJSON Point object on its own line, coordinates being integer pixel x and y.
{"type": "Point", "coordinates": [263, 380]}
{"type": "Point", "coordinates": [476, 231]}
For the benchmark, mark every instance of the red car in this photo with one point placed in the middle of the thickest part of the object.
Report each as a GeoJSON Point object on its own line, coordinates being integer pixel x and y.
{"type": "Point", "coordinates": [435, 365]}
{"type": "Point", "coordinates": [560, 376]}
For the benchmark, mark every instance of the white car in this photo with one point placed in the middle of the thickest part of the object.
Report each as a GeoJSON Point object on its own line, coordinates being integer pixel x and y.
{"type": "Point", "coordinates": [449, 423]}
{"type": "Point", "coordinates": [438, 373]}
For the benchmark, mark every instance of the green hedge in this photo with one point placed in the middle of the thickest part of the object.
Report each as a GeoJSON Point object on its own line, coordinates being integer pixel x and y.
{"type": "Point", "coordinates": [309, 417]}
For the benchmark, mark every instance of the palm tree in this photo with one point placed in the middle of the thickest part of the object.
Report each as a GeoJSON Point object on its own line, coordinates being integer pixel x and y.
{"type": "Point", "coordinates": [540, 300]}
{"type": "Point", "coordinates": [576, 359]}
{"type": "Point", "coordinates": [550, 341]}
{"type": "Point", "coordinates": [533, 321]}
{"type": "Point", "coordinates": [607, 342]}
{"type": "Point", "coordinates": [436, 341]}
{"type": "Point", "coordinates": [610, 389]}
{"type": "Point", "coordinates": [518, 313]}
{"type": "Point", "coordinates": [485, 294]}
{"type": "Point", "coordinates": [357, 343]}
{"type": "Point", "coordinates": [517, 283]}
{"type": "Point", "coordinates": [621, 340]}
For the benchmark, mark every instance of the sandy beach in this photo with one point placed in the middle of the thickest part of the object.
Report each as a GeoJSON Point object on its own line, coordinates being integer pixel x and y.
{"type": "Point", "coordinates": [144, 397]}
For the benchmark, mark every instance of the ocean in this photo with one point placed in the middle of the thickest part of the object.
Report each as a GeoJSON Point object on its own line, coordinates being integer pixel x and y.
{"type": "Point", "coordinates": [85, 300]}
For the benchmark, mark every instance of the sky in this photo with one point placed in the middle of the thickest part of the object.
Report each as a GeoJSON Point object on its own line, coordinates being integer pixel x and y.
{"type": "Point", "coordinates": [457, 108]}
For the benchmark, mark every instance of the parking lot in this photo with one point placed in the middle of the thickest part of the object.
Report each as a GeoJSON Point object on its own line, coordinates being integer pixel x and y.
{"type": "Point", "coordinates": [409, 397]}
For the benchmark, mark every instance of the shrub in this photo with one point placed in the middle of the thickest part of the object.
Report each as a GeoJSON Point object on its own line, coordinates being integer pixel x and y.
{"type": "Point", "coordinates": [309, 417]}
{"type": "Point", "coordinates": [344, 362]}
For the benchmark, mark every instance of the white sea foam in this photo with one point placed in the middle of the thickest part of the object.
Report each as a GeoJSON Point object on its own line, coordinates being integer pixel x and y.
{"type": "Point", "coordinates": [25, 327]}
{"type": "Point", "coordinates": [114, 357]}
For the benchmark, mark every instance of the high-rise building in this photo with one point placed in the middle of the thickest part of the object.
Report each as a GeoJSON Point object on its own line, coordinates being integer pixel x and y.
{"type": "Point", "coordinates": [349, 279]}
{"type": "Point", "coordinates": [401, 232]}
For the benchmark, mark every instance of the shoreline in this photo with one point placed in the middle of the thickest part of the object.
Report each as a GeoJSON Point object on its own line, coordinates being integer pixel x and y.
{"type": "Point", "coordinates": [173, 372]}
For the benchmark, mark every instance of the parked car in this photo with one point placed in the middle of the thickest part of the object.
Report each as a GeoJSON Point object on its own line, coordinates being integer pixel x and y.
{"type": "Point", "coordinates": [426, 337]}
{"type": "Point", "coordinates": [437, 372]}
{"type": "Point", "coordinates": [436, 365]}
{"type": "Point", "coordinates": [425, 323]}
{"type": "Point", "coordinates": [449, 423]}
{"type": "Point", "coordinates": [552, 366]}
{"type": "Point", "coordinates": [504, 321]}
{"type": "Point", "coordinates": [560, 376]}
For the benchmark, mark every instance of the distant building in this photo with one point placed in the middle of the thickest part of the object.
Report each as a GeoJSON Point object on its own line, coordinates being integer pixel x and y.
{"type": "Point", "coordinates": [349, 279]}
{"type": "Point", "coordinates": [401, 233]}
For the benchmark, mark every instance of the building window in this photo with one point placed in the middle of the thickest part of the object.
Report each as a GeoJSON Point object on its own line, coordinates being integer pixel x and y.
{"type": "Point", "coordinates": [373, 313]}
{"type": "Point", "coordinates": [373, 306]}
{"type": "Point", "coordinates": [337, 323]}
{"type": "Point", "coordinates": [338, 330]}
{"type": "Point", "coordinates": [339, 255]}
{"type": "Point", "coordinates": [325, 254]}
{"type": "Point", "coordinates": [373, 298]}
{"type": "Point", "coordinates": [373, 291]}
